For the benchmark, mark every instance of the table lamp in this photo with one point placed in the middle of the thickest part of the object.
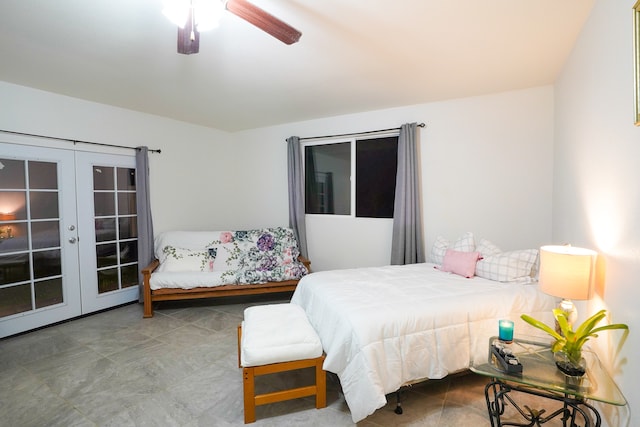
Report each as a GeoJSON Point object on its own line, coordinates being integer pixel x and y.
{"type": "Point", "coordinates": [565, 272]}
{"type": "Point", "coordinates": [6, 230]}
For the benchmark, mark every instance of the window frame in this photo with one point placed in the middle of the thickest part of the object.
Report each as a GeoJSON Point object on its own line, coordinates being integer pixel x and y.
{"type": "Point", "coordinates": [352, 140]}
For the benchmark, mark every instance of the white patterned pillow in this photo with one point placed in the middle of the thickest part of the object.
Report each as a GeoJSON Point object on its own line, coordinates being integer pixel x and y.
{"type": "Point", "coordinates": [438, 250]}
{"type": "Point", "coordinates": [514, 266]}
{"type": "Point", "coordinates": [487, 248]}
{"type": "Point", "coordinates": [465, 243]}
{"type": "Point", "coordinates": [180, 259]}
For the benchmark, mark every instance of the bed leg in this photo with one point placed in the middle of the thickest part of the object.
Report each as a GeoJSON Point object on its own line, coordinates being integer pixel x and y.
{"type": "Point", "coordinates": [398, 409]}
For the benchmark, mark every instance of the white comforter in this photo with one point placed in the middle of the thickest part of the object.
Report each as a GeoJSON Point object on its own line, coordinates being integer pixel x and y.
{"type": "Point", "coordinates": [386, 326]}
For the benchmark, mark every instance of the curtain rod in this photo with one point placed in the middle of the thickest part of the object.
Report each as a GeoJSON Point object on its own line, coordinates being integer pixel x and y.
{"type": "Point", "coordinates": [75, 141]}
{"type": "Point", "coordinates": [420, 125]}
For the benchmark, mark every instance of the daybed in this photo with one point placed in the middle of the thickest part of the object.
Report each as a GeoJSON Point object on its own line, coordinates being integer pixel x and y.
{"type": "Point", "coordinates": [205, 264]}
{"type": "Point", "coordinates": [385, 327]}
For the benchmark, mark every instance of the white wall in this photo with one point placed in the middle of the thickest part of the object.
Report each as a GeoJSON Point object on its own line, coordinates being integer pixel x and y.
{"type": "Point", "coordinates": [186, 187]}
{"type": "Point", "coordinates": [486, 167]}
{"type": "Point", "coordinates": [597, 179]}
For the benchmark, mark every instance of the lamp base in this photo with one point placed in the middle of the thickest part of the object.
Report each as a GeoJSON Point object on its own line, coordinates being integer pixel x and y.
{"type": "Point", "coordinates": [570, 311]}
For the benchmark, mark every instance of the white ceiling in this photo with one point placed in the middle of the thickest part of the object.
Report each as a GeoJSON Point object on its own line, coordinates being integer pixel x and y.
{"type": "Point", "coordinates": [354, 55]}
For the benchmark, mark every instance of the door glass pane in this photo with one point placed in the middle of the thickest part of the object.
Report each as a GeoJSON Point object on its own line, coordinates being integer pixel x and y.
{"type": "Point", "coordinates": [44, 204]}
{"type": "Point", "coordinates": [104, 204]}
{"type": "Point", "coordinates": [43, 175]}
{"type": "Point", "coordinates": [46, 264]}
{"type": "Point", "coordinates": [48, 292]}
{"type": "Point", "coordinates": [13, 205]}
{"type": "Point", "coordinates": [129, 252]}
{"type": "Point", "coordinates": [106, 255]}
{"type": "Point", "coordinates": [126, 203]}
{"type": "Point", "coordinates": [13, 237]}
{"type": "Point", "coordinates": [128, 227]}
{"type": "Point", "coordinates": [45, 234]}
{"type": "Point", "coordinates": [12, 174]}
{"type": "Point", "coordinates": [126, 179]}
{"type": "Point", "coordinates": [14, 268]}
{"type": "Point", "coordinates": [129, 275]}
{"type": "Point", "coordinates": [103, 178]}
{"type": "Point", "coordinates": [107, 280]}
{"type": "Point", "coordinates": [15, 299]}
{"type": "Point", "coordinates": [105, 229]}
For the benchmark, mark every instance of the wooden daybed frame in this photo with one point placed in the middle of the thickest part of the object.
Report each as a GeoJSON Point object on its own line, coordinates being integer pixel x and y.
{"type": "Point", "coordinates": [174, 294]}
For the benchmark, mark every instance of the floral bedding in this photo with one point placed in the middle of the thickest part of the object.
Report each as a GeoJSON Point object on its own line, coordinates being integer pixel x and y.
{"type": "Point", "coordinates": [258, 256]}
{"type": "Point", "coordinates": [236, 257]}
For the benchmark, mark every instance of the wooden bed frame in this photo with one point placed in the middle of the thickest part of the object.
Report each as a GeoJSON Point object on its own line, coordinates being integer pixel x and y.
{"type": "Point", "coordinates": [174, 294]}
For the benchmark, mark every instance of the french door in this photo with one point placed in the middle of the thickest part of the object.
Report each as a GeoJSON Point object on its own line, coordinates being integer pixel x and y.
{"type": "Point", "coordinates": [109, 241]}
{"type": "Point", "coordinates": [68, 235]}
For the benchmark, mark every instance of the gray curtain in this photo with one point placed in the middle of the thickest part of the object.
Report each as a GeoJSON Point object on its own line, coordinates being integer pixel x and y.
{"type": "Point", "coordinates": [407, 245]}
{"type": "Point", "coordinates": [145, 223]}
{"type": "Point", "coordinates": [296, 193]}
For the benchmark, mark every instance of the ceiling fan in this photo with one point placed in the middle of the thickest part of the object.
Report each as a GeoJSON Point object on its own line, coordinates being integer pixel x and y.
{"type": "Point", "coordinates": [194, 16]}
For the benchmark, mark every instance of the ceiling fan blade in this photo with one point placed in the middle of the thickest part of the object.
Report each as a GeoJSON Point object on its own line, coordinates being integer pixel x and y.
{"type": "Point", "coordinates": [264, 20]}
{"type": "Point", "coordinates": [188, 38]}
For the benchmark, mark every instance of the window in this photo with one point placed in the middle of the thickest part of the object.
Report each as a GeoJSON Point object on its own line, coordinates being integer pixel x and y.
{"type": "Point", "coordinates": [116, 227]}
{"type": "Point", "coordinates": [329, 167]}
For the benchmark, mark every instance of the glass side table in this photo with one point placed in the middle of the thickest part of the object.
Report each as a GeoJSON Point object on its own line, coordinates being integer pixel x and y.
{"type": "Point", "coordinates": [541, 377]}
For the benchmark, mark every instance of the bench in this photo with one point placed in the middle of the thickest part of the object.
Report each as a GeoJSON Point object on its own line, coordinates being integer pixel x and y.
{"type": "Point", "coordinates": [277, 338]}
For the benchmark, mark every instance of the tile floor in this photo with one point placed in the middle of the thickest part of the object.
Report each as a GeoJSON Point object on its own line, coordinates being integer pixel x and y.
{"type": "Point", "coordinates": [179, 368]}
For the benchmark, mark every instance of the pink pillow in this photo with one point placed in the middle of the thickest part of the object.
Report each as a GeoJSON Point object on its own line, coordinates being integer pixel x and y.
{"type": "Point", "coordinates": [461, 263]}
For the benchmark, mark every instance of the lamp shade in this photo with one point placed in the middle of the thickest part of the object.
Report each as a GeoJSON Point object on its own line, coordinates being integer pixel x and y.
{"type": "Point", "coordinates": [565, 271]}
{"type": "Point", "coordinates": [7, 217]}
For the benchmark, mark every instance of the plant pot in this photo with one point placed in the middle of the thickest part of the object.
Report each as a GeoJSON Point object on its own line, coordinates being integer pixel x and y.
{"type": "Point", "coordinates": [568, 366]}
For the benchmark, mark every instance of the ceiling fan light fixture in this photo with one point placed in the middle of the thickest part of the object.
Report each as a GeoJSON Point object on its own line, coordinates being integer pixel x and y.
{"type": "Point", "coordinates": [206, 13]}
{"type": "Point", "coordinates": [177, 11]}
{"type": "Point", "coordinates": [194, 16]}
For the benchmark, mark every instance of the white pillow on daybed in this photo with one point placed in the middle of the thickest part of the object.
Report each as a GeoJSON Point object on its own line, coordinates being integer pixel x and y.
{"type": "Point", "coordinates": [181, 259]}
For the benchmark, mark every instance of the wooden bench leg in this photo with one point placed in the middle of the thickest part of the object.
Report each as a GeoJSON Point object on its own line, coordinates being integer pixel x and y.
{"type": "Point", "coordinates": [248, 379]}
{"type": "Point", "coordinates": [321, 384]}
{"type": "Point", "coordinates": [251, 400]}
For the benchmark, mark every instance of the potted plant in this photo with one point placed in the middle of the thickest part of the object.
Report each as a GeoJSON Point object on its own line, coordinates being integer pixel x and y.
{"type": "Point", "coordinates": [567, 348]}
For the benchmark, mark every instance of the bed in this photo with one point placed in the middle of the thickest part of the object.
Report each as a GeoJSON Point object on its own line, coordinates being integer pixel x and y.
{"type": "Point", "coordinates": [384, 327]}
{"type": "Point", "coordinates": [211, 264]}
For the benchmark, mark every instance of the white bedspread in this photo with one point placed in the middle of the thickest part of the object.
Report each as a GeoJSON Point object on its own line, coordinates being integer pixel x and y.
{"type": "Point", "coordinates": [386, 326]}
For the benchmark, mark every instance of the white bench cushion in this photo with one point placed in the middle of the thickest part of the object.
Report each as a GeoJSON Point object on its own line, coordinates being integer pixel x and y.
{"type": "Point", "coordinates": [277, 333]}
